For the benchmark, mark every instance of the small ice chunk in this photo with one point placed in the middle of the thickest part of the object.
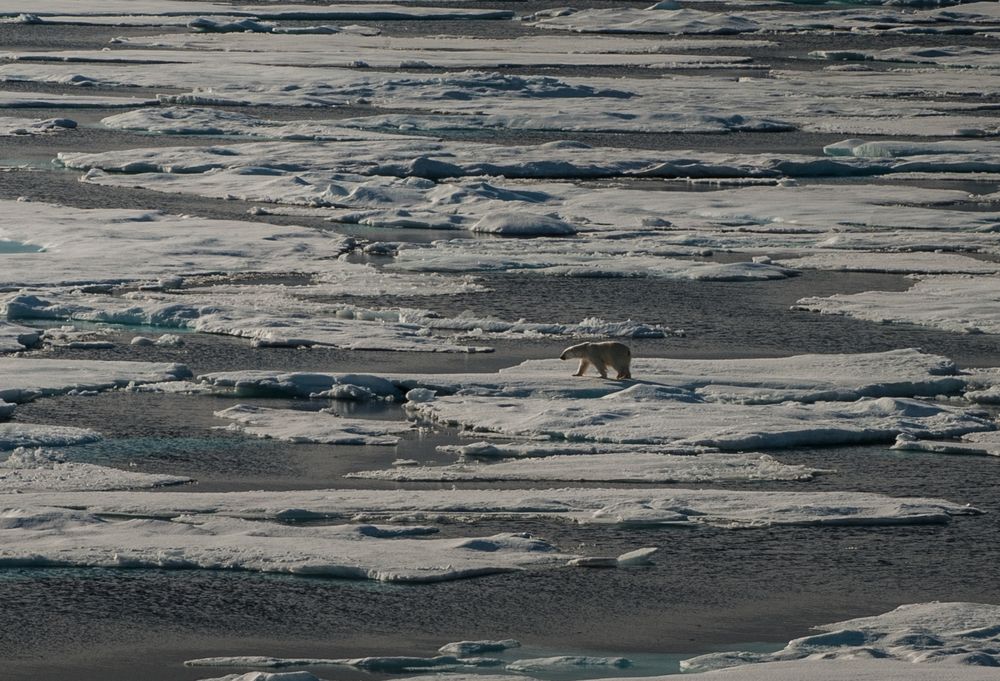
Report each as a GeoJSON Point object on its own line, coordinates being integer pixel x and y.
{"type": "Point", "coordinates": [523, 224]}
{"type": "Point", "coordinates": [594, 562]}
{"type": "Point", "coordinates": [637, 557]}
{"type": "Point", "coordinates": [467, 648]}
{"type": "Point", "coordinates": [562, 661]}
{"type": "Point", "coordinates": [420, 395]}
{"type": "Point", "coordinates": [169, 340]}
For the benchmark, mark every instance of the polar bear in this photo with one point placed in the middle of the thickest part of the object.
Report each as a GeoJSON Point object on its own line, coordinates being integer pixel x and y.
{"type": "Point", "coordinates": [601, 355]}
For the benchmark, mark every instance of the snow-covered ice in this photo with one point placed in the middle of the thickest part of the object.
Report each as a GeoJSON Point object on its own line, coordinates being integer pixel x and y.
{"type": "Point", "coordinates": [46, 536]}
{"type": "Point", "coordinates": [643, 415]}
{"type": "Point", "coordinates": [116, 245]}
{"type": "Point", "coordinates": [947, 634]}
{"type": "Point", "coordinates": [966, 304]}
{"type": "Point", "coordinates": [733, 509]}
{"type": "Point", "coordinates": [15, 127]}
{"type": "Point", "coordinates": [800, 378]}
{"type": "Point", "coordinates": [43, 470]}
{"type": "Point", "coordinates": [16, 434]}
{"type": "Point", "coordinates": [621, 467]}
{"type": "Point", "coordinates": [324, 427]}
{"type": "Point", "coordinates": [981, 444]}
{"type": "Point", "coordinates": [23, 379]}
{"type": "Point", "coordinates": [14, 337]}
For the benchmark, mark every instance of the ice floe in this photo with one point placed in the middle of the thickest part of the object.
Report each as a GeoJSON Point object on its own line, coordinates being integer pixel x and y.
{"type": "Point", "coordinates": [46, 536]}
{"type": "Point", "coordinates": [643, 415]}
{"type": "Point", "coordinates": [23, 379]}
{"type": "Point", "coordinates": [669, 18]}
{"type": "Point", "coordinates": [947, 634]}
{"type": "Point", "coordinates": [14, 435]}
{"type": "Point", "coordinates": [17, 127]}
{"type": "Point", "coordinates": [116, 245]}
{"type": "Point", "coordinates": [14, 99]}
{"type": "Point", "coordinates": [350, 49]}
{"type": "Point", "coordinates": [954, 303]}
{"type": "Point", "coordinates": [734, 509]}
{"type": "Point", "coordinates": [287, 316]}
{"type": "Point", "coordinates": [206, 121]}
{"type": "Point", "coordinates": [350, 10]}
{"type": "Point", "coordinates": [800, 378]}
{"type": "Point", "coordinates": [324, 427]}
{"type": "Point", "coordinates": [902, 263]}
{"type": "Point", "coordinates": [618, 467]}
{"type": "Point", "coordinates": [14, 337]}
{"type": "Point", "coordinates": [35, 469]}
{"type": "Point", "coordinates": [981, 444]}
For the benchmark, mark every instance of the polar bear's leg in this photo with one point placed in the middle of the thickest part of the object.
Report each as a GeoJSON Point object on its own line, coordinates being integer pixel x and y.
{"type": "Point", "coordinates": [624, 371]}
{"type": "Point", "coordinates": [601, 367]}
{"type": "Point", "coordinates": [583, 367]}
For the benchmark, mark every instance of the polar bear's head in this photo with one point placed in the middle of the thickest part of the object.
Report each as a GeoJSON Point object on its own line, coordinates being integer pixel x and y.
{"type": "Point", "coordinates": [575, 351]}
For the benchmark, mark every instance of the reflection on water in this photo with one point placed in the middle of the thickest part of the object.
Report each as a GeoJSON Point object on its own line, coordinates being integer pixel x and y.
{"type": "Point", "coordinates": [7, 246]}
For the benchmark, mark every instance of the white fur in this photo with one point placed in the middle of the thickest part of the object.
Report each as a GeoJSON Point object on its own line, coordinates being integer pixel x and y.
{"type": "Point", "coordinates": [602, 355]}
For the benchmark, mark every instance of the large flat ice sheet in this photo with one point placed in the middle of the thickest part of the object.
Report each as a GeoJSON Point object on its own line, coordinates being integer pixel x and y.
{"type": "Point", "coordinates": [734, 509]}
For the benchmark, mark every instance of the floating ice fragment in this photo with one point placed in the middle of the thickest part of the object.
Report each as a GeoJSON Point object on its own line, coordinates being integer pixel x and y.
{"type": "Point", "coordinates": [921, 632]}
{"type": "Point", "coordinates": [637, 557]}
{"type": "Point", "coordinates": [467, 648]}
{"type": "Point", "coordinates": [322, 427]}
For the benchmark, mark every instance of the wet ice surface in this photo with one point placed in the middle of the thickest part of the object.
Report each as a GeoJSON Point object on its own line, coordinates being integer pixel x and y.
{"type": "Point", "coordinates": [850, 245]}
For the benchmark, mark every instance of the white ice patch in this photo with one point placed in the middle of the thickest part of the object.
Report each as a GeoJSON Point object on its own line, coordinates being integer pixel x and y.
{"type": "Point", "coordinates": [467, 648]}
{"type": "Point", "coordinates": [952, 635]}
{"type": "Point", "coordinates": [287, 316]}
{"type": "Point", "coordinates": [42, 470]}
{"type": "Point", "coordinates": [26, 127]}
{"type": "Point", "coordinates": [24, 379]}
{"type": "Point", "coordinates": [14, 337]}
{"type": "Point", "coordinates": [648, 417]}
{"type": "Point", "coordinates": [115, 245]}
{"type": "Point", "coordinates": [621, 467]}
{"type": "Point", "coordinates": [43, 536]}
{"type": "Point", "coordinates": [322, 427]}
{"type": "Point", "coordinates": [241, 39]}
{"type": "Point", "coordinates": [976, 444]}
{"type": "Point", "coordinates": [13, 99]}
{"type": "Point", "coordinates": [900, 263]}
{"type": "Point", "coordinates": [953, 303]}
{"type": "Point", "coordinates": [14, 435]}
{"type": "Point", "coordinates": [385, 664]}
{"type": "Point", "coordinates": [800, 378]}
{"type": "Point", "coordinates": [668, 18]}
{"type": "Point", "coordinates": [354, 9]}
{"type": "Point", "coordinates": [733, 509]}
{"type": "Point", "coordinates": [203, 121]}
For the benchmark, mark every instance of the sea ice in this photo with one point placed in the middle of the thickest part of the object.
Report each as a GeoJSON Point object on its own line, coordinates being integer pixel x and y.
{"type": "Point", "coordinates": [902, 263]}
{"type": "Point", "coordinates": [948, 634]}
{"type": "Point", "coordinates": [619, 467]}
{"type": "Point", "coordinates": [733, 509]}
{"type": "Point", "coordinates": [800, 378]}
{"type": "Point", "coordinates": [982, 444]}
{"type": "Point", "coordinates": [59, 537]}
{"type": "Point", "coordinates": [14, 337]}
{"type": "Point", "coordinates": [29, 469]}
{"type": "Point", "coordinates": [23, 379]}
{"type": "Point", "coordinates": [14, 435]}
{"type": "Point", "coordinates": [467, 648]}
{"type": "Point", "coordinates": [340, 49]}
{"type": "Point", "coordinates": [354, 10]}
{"type": "Point", "coordinates": [17, 127]}
{"type": "Point", "coordinates": [965, 304]}
{"type": "Point", "coordinates": [324, 426]}
{"type": "Point", "coordinates": [115, 245]}
{"type": "Point", "coordinates": [651, 416]}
